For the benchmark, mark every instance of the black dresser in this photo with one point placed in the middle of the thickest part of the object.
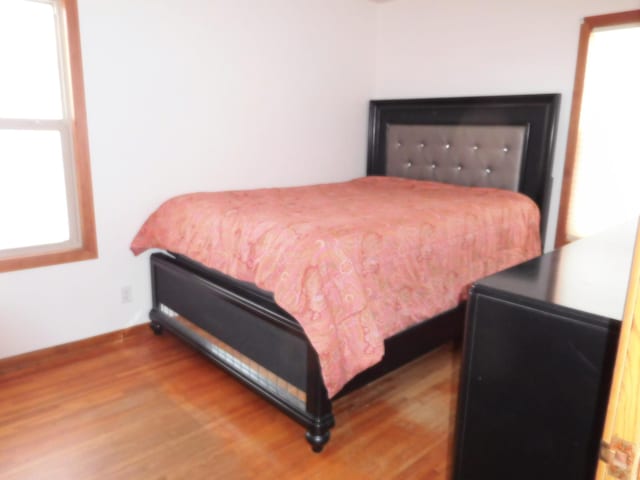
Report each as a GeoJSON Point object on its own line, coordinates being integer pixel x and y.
{"type": "Point", "coordinates": [539, 350]}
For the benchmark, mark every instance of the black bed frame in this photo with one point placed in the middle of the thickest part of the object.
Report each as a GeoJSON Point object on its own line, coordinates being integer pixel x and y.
{"type": "Point", "coordinates": [250, 322]}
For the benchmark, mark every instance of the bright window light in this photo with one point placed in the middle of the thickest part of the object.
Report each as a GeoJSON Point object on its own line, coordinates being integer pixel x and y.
{"type": "Point", "coordinates": [604, 189]}
{"type": "Point", "coordinates": [30, 79]}
{"type": "Point", "coordinates": [33, 197]}
{"type": "Point", "coordinates": [35, 194]}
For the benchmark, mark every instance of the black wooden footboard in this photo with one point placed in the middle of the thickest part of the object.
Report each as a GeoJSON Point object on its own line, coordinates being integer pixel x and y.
{"type": "Point", "coordinates": [246, 334]}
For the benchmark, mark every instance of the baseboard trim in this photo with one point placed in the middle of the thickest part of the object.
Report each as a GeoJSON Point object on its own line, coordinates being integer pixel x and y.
{"type": "Point", "coordinates": [60, 353]}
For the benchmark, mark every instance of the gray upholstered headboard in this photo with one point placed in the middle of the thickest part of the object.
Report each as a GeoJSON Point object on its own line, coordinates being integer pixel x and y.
{"type": "Point", "coordinates": [471, 155]}
{"type": "Point", "coordinates": [502, 142]}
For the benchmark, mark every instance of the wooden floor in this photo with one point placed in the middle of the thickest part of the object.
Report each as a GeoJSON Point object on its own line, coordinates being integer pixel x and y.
{"type": "Point", "coordinates": [151, 408]}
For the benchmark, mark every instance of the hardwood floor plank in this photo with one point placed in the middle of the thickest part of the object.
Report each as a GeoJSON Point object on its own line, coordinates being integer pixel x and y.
{"type": "Point", "coordinates": [151, 408]}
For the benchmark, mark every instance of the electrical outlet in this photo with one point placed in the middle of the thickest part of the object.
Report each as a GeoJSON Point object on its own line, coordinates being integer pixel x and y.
{"type": "Point", "coordinates": [125, 294]}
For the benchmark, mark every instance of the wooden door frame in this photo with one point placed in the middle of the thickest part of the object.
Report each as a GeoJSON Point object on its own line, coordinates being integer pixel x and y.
{"type": "Point", "coordinates": [621, 433]}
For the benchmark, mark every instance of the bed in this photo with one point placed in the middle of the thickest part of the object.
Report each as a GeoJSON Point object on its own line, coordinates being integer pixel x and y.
{"type": "Point", "coordinates": [502, 142]}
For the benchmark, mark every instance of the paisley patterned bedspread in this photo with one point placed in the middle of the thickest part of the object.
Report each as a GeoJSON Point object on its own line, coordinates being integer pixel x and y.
{"type": "Point", "coordinates": [353, 262]}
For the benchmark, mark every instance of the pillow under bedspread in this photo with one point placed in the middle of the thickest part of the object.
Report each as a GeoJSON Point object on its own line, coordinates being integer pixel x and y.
{"type": "Point", "coordinates": [353, 262]}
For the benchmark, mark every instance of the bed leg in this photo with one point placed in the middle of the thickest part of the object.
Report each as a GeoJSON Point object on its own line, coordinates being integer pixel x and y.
{"type": "Point", "coordinates": [318, 438]}
{"type": "Point", "coordinates": [156, 327]}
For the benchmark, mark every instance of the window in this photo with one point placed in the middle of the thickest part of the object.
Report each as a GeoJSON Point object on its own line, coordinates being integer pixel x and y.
{"type": "Point", "coordinates": [602, 164]}
{"type": "Point", "coordinates": [46, 202]}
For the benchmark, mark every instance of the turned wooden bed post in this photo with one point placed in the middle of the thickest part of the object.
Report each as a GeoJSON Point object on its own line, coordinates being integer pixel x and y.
{"type": "Point", "coordinates": [318, 405]}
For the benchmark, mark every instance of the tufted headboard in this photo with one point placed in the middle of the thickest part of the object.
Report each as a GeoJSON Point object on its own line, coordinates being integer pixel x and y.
{"type": "Point", "coordinates": [501, 142]}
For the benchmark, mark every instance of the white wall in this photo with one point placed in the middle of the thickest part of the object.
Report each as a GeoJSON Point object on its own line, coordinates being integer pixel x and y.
{"type": "Point", "coordinates": [441, 48]}
{"type": "Point", "coordinates": [195, 95]}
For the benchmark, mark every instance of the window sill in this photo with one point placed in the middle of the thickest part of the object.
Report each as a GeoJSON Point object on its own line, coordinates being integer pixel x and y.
{"type": "Point", "coordinates": [45, 259]}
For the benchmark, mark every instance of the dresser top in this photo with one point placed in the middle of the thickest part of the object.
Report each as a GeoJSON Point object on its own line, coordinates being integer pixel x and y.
{"type": "Point", "coordinates": [589, 275]}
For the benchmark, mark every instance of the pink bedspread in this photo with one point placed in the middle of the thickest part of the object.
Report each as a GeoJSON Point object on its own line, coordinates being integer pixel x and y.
{"type": "Point", "coordinates": [353, 262]}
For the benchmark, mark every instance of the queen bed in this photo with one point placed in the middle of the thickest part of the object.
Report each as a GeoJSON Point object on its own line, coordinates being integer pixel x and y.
{"type": "Point", "coordinates": [268, 336]}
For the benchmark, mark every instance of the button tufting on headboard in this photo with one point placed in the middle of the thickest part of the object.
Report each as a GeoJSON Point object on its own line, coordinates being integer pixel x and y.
{"type": "Point", "coordinates": [452, 153]}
